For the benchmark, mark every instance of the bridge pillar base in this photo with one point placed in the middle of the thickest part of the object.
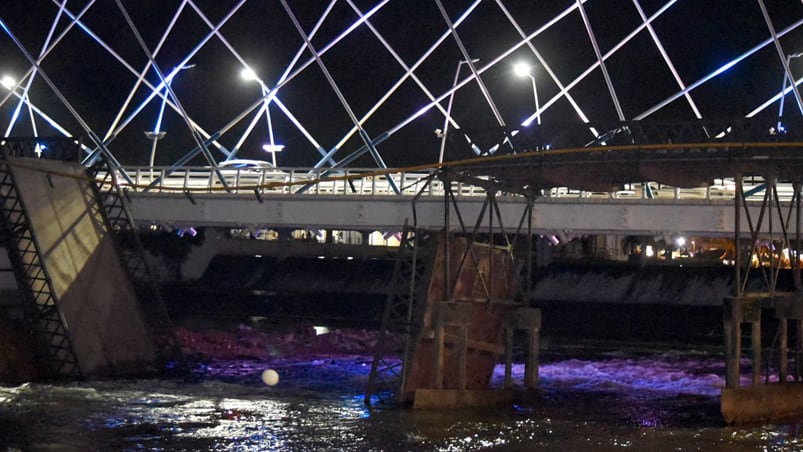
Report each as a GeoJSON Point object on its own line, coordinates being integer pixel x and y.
{"type": "Point", "coordinates": [438, 399]}
{"type": "Point", "coordinates": [767, 402]}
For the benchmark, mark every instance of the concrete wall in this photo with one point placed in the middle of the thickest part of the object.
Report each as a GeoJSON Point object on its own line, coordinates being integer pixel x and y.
{"type": "Point", "coordinates": [92, 288]}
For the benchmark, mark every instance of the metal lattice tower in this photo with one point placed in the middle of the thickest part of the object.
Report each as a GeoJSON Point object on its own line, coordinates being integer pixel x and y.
{"type": "Point", "coordinates": [404, 308]}
{"type": "Point", "coordinates": [113, 210]}
{"type": "Point", "coordinates": [350, 82]}
{"type": "Point", "coordinates": [40, 303]}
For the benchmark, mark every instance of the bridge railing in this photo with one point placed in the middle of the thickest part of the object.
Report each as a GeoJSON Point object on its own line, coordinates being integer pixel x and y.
{"type": "Point", "coordinates": [301, 181]}
{"type": "Point", "coordinates": [369, 182]}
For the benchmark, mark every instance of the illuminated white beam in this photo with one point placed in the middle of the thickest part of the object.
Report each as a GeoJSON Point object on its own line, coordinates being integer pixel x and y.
{"type": "Point", "coordinates": [470, 63]}
{"type": "Point", "coordinates": [144, 72]}
{"type": "Point", "coordinates": [195, 135]}
{"type": "Point", "coordinates": [773, 99]}
{"type": "Point", "coordinates": [601, 61]}
{"type": "Point", "coordinates": [666, 58]}
{"type": "Point", "coordinates": [155, 89]}
{"type": "Point", "coordinates": [25, 99]}
{"type": "Point", "coordinates": [484, 68]}
{"type": "Point", "coordinates": [781, 53]}
{"type": "Point", "coordinates": [268, 95]}
{"type": "Point", "coordinates": [363, 134]}
{"type": "Point", "coordinates": [408, 72]}
{"type": "Point", "coordinates": [543, 63]}
{"type": "Point", "coordinates": [717, 72]}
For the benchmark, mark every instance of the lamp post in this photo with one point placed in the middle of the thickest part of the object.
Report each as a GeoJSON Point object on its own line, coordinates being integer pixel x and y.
{"type": "Point", "coordinates": [271, 147]}
{"type": "Point", "coordinates": [522, 69]}
{"type": "Point", "coordinates": [156, 134]}
{"type": "Point", "coordinates": [442, 134]}
{"type": "Point", "coordinates": [780, 127]}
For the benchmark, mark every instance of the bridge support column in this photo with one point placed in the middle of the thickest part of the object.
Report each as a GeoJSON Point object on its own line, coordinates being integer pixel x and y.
{"type": "Point", "coordinates": [739, 310]}
{"type": "Point", "coordinates": [528, 319]}
{"type": "Point", "coordinates": [776, 397]}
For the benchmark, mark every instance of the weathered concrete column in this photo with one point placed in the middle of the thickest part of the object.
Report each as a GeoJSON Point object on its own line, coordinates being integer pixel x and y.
{"type": "Point", "coordinates": [740, 310]}
{"type": "Point", "coordinates": [528, 319]}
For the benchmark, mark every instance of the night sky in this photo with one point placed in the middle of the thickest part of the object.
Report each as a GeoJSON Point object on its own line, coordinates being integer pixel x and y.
{"type": "Point", "coordinates": [699, 37]}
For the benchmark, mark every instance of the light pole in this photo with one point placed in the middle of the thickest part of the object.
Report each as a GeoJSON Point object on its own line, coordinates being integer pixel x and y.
{"type": "Point", "coordinates": [789, 58]}
{"type": "Point", "coordinates": [449, 108]}
{"type": "Point", "coordinates": [156, 134]}
{"type": "Point", "coordinates": [271, 147]}
{"type": "Point", "coordinates": [522, 69]}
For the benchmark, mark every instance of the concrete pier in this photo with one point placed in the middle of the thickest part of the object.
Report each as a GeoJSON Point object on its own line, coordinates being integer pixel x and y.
{"type": "Point", "coordinates": [86, 279]}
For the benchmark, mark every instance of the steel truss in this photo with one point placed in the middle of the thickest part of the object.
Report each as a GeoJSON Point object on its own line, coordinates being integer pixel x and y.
{"type": "Point", "coordinates": [153, 67]}
{"type": "Point", "coordinates": [404, 309]}
{"type": "Point", "coordinates": [778, 227]}
{"type": "Point", "coordinates": [40, 304]}
{"type": "Point", "coordinates": [113, 210]}
{"type": "Point", "coordinates": [403, 317]}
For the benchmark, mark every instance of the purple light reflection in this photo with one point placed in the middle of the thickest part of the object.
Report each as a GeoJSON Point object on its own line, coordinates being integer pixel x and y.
{"type": "Point", "coordinates": [663, 374]}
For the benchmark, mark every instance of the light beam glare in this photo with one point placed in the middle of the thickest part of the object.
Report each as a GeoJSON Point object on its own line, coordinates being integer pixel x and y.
{"type": "Point", "coordinates": [717, 72]}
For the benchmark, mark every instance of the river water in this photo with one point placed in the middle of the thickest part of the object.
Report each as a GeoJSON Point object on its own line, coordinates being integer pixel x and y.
{"type": "Point", "coordinates": [595, 400]}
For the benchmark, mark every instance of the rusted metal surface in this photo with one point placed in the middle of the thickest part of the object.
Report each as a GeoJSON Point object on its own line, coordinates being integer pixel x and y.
{"type": "Point", "coordinates": [608, 168]}
{"type": "Point", "coordinates": [486, 302]}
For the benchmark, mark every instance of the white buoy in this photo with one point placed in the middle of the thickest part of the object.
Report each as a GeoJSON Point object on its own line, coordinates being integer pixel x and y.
{"type": "Point", "coordinates": [270, 377]}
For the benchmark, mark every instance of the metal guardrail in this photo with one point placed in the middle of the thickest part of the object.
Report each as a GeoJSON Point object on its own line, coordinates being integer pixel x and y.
{"type": "Point", "coordinates": [369, 182]}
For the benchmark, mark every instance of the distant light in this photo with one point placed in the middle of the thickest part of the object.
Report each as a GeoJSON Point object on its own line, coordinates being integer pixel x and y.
{"type": "Point", "coordinates": [319, 330]}
{"type": "Point", "coordinates": [189, 231]}
{"type": "Point", "coordinates": [649, 251]}
{"type": "Point", "coordinates": [272, 147]}
{"type": "Point", "coordinates": [680, 242]}
{"type": "Point", "coordinates": [8, 82]}
{"type": "Point", "coordinates": [521, 69]}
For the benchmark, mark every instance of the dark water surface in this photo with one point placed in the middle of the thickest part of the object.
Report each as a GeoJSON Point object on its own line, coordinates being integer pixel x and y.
{"type": "Point", "coordinates": [597, 401]}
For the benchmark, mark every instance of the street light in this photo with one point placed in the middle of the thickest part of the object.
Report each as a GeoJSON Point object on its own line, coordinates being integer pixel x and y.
{"type": "Point", "coordinates": [8, 82]}
{"type": "Point", "coordinates": [249, 75]}
{"type": "Point", "coordinates": [273, 149]}
{"type": "Point", "coordinates": [156, 134]}
{"type": "Point", "coordinates": [780, 128]}
{"type": "Point", "coordinates": [523, 69]}
{"type": "Point", "coordinates": [442, 134]}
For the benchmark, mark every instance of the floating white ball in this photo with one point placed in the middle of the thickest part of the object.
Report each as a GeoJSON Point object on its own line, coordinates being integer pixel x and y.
{"type": "Point", "coordinates": [270, 377]}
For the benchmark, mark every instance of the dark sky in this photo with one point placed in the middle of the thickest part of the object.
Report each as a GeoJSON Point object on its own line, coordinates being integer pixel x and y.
{"type": "Point", "coordinates": [698, 36]}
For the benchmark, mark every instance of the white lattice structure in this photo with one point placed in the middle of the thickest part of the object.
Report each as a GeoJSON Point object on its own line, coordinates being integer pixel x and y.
{"type": "Point", "coordinates": [373, 82]}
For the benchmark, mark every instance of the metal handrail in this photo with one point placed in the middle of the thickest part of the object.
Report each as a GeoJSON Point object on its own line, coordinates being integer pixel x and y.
{"type": "Point", "coordinates": [368, 182]}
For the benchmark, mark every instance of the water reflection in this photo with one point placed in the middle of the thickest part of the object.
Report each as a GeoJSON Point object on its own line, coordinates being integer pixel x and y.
{"type": "Point", "coordinates": [663, 401]}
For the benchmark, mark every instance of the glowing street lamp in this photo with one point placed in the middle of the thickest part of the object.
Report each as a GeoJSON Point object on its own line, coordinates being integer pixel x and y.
{"type": "Point", "coordinates": [249, 75]}
{"type": "Point", "coordinates": [523, 69]}
{"type": "Point", "coordinates": [273, 149]}
{"type": "Point", "coordinates": [8, 82]}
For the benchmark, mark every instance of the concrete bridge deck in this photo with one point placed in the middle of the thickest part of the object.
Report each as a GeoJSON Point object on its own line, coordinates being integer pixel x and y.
{"type": "Point", "coordinates": [576, 191]}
